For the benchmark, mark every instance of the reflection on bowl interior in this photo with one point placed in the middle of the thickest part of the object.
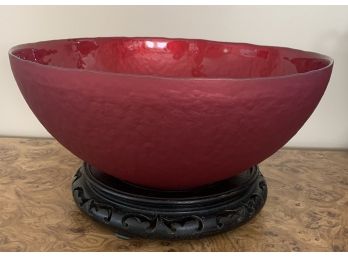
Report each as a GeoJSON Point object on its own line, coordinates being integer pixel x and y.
{"type": "Point", "coordinates": [172, 58]}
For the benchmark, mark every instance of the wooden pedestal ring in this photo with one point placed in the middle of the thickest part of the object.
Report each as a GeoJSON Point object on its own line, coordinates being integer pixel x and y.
{"type": "Point", "coordinates": [134, 211]}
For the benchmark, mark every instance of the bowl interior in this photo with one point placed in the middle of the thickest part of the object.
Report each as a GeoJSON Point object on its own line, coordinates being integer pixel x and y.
{"type": "Point", "coordinates": [185, 58]}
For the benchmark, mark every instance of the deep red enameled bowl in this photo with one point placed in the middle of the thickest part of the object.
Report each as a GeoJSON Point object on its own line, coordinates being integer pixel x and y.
{"type": "Point", "coordinates": [169, 113]}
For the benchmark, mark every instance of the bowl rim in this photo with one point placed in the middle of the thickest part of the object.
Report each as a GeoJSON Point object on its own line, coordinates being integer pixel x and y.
{"type": "Point", "coordinates": [136, 75]}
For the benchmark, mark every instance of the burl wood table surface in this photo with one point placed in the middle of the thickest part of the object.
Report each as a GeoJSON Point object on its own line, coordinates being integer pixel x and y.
{"type": "Point", "coordinates": [306, 210]}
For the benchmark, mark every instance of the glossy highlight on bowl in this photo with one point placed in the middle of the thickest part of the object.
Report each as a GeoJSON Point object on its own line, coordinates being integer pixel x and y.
{"type": "Point", "coordinates": [169, 113]}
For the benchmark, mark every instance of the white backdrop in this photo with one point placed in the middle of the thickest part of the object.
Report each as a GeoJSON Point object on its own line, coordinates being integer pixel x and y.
{"type": "Point", "coordinates": [315, 28]}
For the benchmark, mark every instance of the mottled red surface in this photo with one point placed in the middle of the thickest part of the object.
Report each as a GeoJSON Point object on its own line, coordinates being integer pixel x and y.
{"type": "Point", "coordinates": [169, 113]}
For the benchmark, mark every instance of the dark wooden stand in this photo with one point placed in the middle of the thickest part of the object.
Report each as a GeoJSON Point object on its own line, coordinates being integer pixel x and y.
{"type": "Point", "coordinates": [134, 211]}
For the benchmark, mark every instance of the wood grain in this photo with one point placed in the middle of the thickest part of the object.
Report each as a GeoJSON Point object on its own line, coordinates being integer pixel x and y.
{"type": "Point", "coordinates": [307, 207]}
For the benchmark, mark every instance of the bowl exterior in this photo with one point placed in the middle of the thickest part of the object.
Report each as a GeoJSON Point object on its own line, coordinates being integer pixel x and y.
{"type": "Point", "coordinates": [166, 132]}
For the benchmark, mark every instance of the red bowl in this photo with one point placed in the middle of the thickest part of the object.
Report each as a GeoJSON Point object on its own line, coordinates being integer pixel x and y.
{"type": "Point", "coordinates": [169, 113]}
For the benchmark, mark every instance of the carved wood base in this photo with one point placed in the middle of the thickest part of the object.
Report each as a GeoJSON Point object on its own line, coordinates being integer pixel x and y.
{"type": "Point", "coordinates": [135, 211]}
